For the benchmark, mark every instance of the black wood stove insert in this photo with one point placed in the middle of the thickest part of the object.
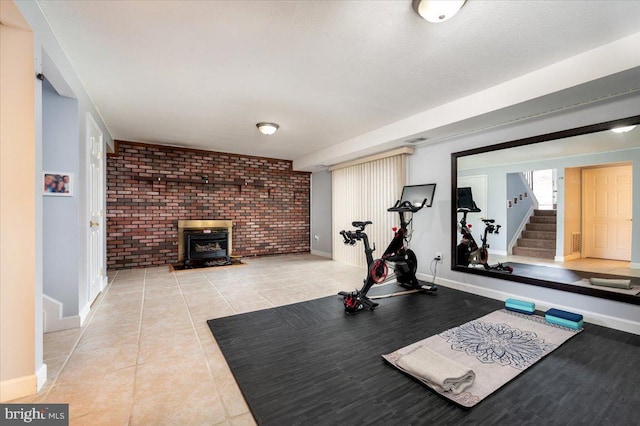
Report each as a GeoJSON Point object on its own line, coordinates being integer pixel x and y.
{"type": "Point", "coordinates": [205, 246]}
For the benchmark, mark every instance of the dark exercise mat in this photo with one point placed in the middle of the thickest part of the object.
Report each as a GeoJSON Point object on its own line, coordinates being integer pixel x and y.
{"type": "Point", "coordinates": [309, 363]}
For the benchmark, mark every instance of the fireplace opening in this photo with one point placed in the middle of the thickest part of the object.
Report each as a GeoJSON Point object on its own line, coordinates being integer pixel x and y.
{"type": "Point", "coordinates": [202, 246]}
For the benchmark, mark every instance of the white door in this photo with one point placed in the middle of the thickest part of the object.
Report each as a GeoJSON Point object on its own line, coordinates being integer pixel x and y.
{"type": "Point", "coordinates": [607, 212]}
{"type": "Point", "coordinates": [96, 222]}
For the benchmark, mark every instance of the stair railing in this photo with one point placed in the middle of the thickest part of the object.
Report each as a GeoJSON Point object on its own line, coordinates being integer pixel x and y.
{"type": "Point", "coordinates": [528, 176]}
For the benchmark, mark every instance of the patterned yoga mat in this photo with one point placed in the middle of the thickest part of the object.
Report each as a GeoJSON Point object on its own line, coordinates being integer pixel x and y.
{"type": "Point", "coordinates": [497, 347]}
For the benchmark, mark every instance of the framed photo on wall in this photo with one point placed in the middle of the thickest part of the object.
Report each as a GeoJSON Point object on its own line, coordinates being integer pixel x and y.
{"type": "Point", "coordinates": [57, 184]}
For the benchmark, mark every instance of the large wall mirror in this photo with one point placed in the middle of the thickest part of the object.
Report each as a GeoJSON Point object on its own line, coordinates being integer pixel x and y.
{"type": "Point", "coordinates": [555, 210]}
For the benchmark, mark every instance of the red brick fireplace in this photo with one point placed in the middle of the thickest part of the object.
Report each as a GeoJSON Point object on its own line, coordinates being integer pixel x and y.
{"type": "Point", "coordinates": [150, 188]}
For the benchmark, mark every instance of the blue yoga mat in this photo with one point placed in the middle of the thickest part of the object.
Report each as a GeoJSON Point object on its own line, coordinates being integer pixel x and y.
{"type": "Point", "coordinates": [564, 315]}
{"type": "Point", "coordinates": [563, 322]}
{"type": "Point", "coordinates": [521, 303]}
{"type": "Point", "coordinates": [518, 309]}
{"type": "Point", "coordinates": [520, 306]}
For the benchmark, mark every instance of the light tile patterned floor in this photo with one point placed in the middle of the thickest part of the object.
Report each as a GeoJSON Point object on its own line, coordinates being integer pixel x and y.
{"type": "Point", "coordinates": [145, 355]}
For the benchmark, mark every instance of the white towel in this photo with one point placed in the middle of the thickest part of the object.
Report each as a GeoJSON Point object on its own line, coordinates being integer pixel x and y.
{"type": "Point", "coordinates": [437, 369]}
{"type": "Point", "coordinates": [616, 283]}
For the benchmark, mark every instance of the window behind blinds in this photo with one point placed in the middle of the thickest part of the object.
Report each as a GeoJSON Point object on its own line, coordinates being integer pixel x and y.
{"type": "Point", "coordinates": [364, 192]}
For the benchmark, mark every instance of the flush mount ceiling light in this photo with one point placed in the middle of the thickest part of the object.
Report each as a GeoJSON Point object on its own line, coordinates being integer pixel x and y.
{"type": "Point", "coordinates": [267, 128]}
{"type": "Point", "coordinates": [437, 10]}
{"type": "Point", "coordinates": [623, 129]}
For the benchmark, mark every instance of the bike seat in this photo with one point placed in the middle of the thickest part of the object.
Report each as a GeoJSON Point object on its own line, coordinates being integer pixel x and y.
{"type": "Point", "coordinates": [468, 210]}
{"type": "Point", "coordinates": [488, 220]}
{"type": "Point", "coordinates": [361, 225]}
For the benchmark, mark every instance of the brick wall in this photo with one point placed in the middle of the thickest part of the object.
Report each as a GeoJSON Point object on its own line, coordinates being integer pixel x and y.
{"type": "Point", "coordinates": [149, 188]}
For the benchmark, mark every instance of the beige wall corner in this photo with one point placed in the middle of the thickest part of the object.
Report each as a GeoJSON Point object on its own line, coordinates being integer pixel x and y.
{"type": "Point", "coordinates": [18, 387]}
{"type": "Point", "coordinates": [17, 205]}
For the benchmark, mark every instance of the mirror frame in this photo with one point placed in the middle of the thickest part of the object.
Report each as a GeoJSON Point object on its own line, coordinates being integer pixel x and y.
{"type": "Point", "coordinates": [634, 120]}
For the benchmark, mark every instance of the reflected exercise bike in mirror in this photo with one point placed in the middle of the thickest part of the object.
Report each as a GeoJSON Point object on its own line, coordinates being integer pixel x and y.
{"type": "Point", "coordinates": [564, 202]}
{"type": "Point", "coordinates": [398, 255]}
{"type": "Point", "coordinates": [468, 253]}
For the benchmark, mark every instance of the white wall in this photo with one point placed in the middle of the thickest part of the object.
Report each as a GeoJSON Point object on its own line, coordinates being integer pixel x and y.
{"type": "Point", "coordinates": [60, 153]}
{"type": "Point", "coordinates": [432, 163]}
{"type": "Point", "coordinates": [59, 71]}
{"type": "Point", "coordinates": [321, 213]}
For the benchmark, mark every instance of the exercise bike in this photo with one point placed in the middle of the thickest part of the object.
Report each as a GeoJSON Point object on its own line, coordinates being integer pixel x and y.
{"type": "Point", "coordinates": [468, 253]}
{"type": "Point", "coordinates": [397, 256]}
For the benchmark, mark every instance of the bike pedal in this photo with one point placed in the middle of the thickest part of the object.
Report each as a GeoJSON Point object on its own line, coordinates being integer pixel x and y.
{"type": "Point", "coordinates": [428, 288]}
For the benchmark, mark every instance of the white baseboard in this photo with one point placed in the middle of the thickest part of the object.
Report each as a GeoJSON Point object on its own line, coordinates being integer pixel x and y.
{"type": "Point", "coordinates": [634, 265]}
{"type": "Point", "coordinates": [53, 317]}
{"type": "Point", "coordinates": [84, 313]}
{"type": "Point", "coordinates": [322, 253]}
{"type": "Point", "coordinates": [480, 291]}
{"type": "Point", "coordinates": [41, 376]}
{"type": "Point", "coordinates": [18, 388]}
{"type": "Point", "coordinates": [105, 283]}
{"type": "Point", "coordinates": [498, 252]}
{"type": "Point", "coordinates": [590, 317]}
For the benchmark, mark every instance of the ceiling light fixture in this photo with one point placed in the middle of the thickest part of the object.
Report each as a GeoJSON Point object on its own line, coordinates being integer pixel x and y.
{"type": "Point", "coordinates": [267, 128]}
{"type": "Point", "coordinates": [437, 10]}
{"type": "Point", "coordinates": [623, 129]}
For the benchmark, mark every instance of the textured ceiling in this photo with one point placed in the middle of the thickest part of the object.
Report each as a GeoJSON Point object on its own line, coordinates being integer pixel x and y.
{"type": "Point", "coordinates": [202, 73]}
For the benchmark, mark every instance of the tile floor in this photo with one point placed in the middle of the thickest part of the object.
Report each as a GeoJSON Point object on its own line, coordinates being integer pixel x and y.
{"type": "Point", "coordinates": [145, 355]}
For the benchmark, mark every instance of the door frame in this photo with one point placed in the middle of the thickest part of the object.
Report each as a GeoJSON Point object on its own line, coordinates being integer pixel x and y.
{"type": "Point", "coordinates": [102, 279]}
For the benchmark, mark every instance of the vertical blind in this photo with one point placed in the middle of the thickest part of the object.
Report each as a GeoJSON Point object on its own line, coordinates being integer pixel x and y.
{"type": "Point", "coordinates": [364, 192]}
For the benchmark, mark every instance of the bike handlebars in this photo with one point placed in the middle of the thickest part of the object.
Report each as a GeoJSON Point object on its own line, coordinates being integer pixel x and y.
{"type": "Point", "coordinates": [406, 206]}
{"type": "Point", "coordinates": [493, 229]}
{"type": "Point", "coordinates": [348, 237]}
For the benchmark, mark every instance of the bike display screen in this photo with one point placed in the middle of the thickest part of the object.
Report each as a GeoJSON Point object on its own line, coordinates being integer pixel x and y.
{"type": "Point", "coordinates": [465, 199]}
{"type": "Point", "coordinates": [417, 194]}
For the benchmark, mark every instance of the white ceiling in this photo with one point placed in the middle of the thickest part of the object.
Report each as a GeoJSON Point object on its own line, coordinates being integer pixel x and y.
{"type": "Point", "coordinates": [201, 73]}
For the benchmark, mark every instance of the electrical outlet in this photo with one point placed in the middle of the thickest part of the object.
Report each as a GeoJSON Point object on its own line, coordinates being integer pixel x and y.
{"type": "Point", "coordinates": [438, 257]}
{"type": "Point", "coordinates": [316, 237]}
